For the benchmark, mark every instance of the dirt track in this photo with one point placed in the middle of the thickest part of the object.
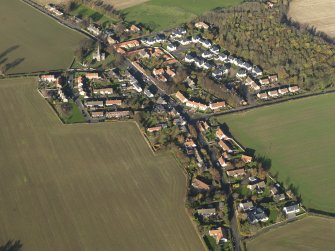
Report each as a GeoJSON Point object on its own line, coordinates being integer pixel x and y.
{"type": "Point", "coordinates": [319, 13]}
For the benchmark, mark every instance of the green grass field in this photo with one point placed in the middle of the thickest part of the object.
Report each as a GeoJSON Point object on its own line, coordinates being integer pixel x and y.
{"type": "Point", "coordinates": [161, 14]}
{"type": "Point", "coordinates": [83, 11]}
{"type": "Point", "coordinates": [84, 186]}
{"type": "Point", "coordinates": [31, 41]}
{"type": "Point", "coordinates": [309, 234]}
{"type": "Point", "coordinates": [299, 138]}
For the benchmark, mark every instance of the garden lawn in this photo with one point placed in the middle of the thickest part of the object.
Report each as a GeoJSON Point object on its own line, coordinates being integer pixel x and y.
{"type": "Point", "coordinates": [161, 14]}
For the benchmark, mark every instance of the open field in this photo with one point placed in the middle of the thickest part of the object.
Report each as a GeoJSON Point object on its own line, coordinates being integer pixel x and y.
{"type": "Point", "coordinates": [119, 4]}
{"type": "Point", "coordinates": [315, 12]}
{"type": "Point", "coordinates": [84, 186]}
{"type": "Point", "coordinates": [309, 234]}
{"type": "Point", "coordinates": [161, 14]}
{"type": "Point", "coordinates": [34, 41]}
{"type": "Point", "coordinates": [299, 138]}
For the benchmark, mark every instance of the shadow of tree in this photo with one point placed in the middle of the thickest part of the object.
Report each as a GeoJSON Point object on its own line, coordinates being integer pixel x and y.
{"type": "Point", "coordinates": [11, 246]}
{"type": "Point", "coordinates": [7, 51]}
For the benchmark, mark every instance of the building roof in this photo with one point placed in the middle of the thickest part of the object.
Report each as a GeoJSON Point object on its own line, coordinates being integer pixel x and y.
{"type": "Point", "coordinates": [217, 234]}
{"type": "Point", "coordinates": [222, 162]}
{"type": "Point", "coordinates": [224, 146]}
{"type": "Point", "coordinates": [92, 75]}
{"type": "Point", "coordinates": [154, 129]}
{"type": "Point", "coordinates": [246, 158]}
{"type": "Point", "coordinates": [114, 102]}
{"type": "Point", "coordinates": [293, 88]}
{"type": "Point", "coordinates": [220, 134]}
{"type": "Point", "coordinates": [200, 185]}
{"type": "Point", "coordinates": [181, 97]}
{"type": "Point", "coordinates": [202, 25]}
{"type": "Point", "coordinates": [206, 211]}
{"type": "Point", "coordinates": [236, 172]}
{"type": "Point", "coordinates": [117, 114]}
{"type": "Point", "coordinates": [217, 105]}
{"type": "Point", "coordinates": [189, 143]}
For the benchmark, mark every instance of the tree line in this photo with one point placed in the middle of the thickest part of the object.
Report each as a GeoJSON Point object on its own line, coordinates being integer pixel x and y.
{"type": "Point", "coordinates": [262, 35]}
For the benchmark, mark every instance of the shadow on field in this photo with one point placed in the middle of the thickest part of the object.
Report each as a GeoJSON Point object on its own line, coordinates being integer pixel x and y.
{"type": "Point", "coordinates": [7, 51]}
{"type": "Point", "coordinates": [11, 246]}
{"type": "Point", "coordinates": [10, 65]}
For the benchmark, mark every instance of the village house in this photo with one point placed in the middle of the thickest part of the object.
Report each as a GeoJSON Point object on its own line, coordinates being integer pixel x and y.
{"type": "Point", "coordinates": [48, 78]}
{"type": "Point", "coordinates": [279, 197]}
{"type": "Point", "coordinates": [129, 44]}
{"type": "Point", "coordinates": [97, 114]}
{"type": "Point", "coordinates": [257, 215]}
{"type": "Point", "coordinates": [256, 71]}
{"type": "Point", "coordinates": [206, 212]}
{"type": "Point", "coordinates": [181, 97]}
{"type": "Point", "coordinates": [295, 208]}
{"type": "Point", "coordinates": [249, 81]}
{"type": "Point", "coordinates": [170, 72]}
{"type": "Point", "coordinates": [225, 147]}
{"type": "Point", "coordinates": [241, 73]}
{"type": "Point", "coordinates": [217, 105]}
{"type": "Point", "coordinates": [255, 86]}
{"type": "Point", "coordinates": [293, 89]}
{"type": "Point", "coordinates": [111, 40]}
{"type": "Point", "coordinates": [264, 81]}
{"type": "Point", "coordinates": [92, 75]}
{"type": "Point", "coordinates": [236, 172]}
{"type": "Point", "coordinates": [222, 162]}
{"type": "Point", "coordinates": [262, 95]}
{"type": "Point", "coordinates": [94, 29]}
{"type": "Point", "coordinates": [196, 105]}
{"type": "Point", "coordinates": [203, 126]}
{"type": "Point", "coordinates": [97, 103]}
{"type": "Point", "coordinates": [258, 186]}
{"type": "Point", "coordinates": [117, 114]}
{"type": "Point", "coordinates": [110, 102]}
{"type": "Point", "coordinates": [103, 91]}
{"type": "Point", "coordinates": [273, 78]}
{"type": "Point", "coordinates": [246, 158]}
{"type": "Point", "coordinates": [189, 143]}
{"type": "Point", "coordinates": [201, 25]}
{"type": "Point", "coordinates": [171, 47]}
{"type": "Point", "coordinates": [245, 206]}
{"type": "Point", "coordinates": [220, 134]}
{"type": "Point", "coordinates": [198, 184]}
{"type": "Point", "coordinates": [134, 28]}
{"type": "Point", "coordinates": [154, 129]}
{"type": "Point", "coordinates": [273, 94]}
{"type": "Point", "coordinates": [283, 91]}
{"type": "Point", "coordinates": [218, 235]}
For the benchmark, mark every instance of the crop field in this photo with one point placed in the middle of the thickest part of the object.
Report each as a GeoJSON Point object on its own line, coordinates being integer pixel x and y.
{"type": "Point", "coordinates": [299, 138]}
{"type": "Point", "coordinates": [31, 41]}
{"type": "Point", "coordinates": [309, 234]}
{"type": "Point", "coordinates": [161, 14]}
{"type": "Point", "coordinates": [315, 12]}
{"type": "Point", "coordinates": [84, 186]}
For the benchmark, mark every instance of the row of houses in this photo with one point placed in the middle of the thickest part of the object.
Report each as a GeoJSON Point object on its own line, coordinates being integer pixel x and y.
{"type": "Point", "coordinates": [278, 92]}
{"type": "Point", "coordinates": [102, 103]}
{"type": "Point", "coordinates": [59, 88]}
{"type": "Point", "coordinates": [199, 106]}
{"type": "Point", "coordinates": [110, 114]}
